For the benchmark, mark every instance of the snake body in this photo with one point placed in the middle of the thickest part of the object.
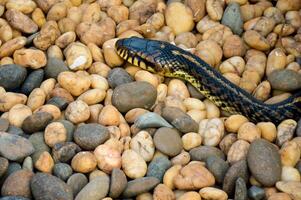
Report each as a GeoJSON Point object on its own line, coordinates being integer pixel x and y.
{"type": "Point", "coordinates": [170, 61]}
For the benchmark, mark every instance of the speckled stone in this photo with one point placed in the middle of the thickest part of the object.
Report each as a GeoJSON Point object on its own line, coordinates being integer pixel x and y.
{"type": "Point", "coordinates": [241, 192]}
{"type": "Point", "coordinates": [64, 152]}
{"type": "Point", "coordinates": [218, 167]}
{"type": "Point", "coordinates": [36, 122]}
{"type": "Point", "coordinates": [118, 183]}
{"type": "Point", "coordinates": [59, 102]}
{"type": "Point", "coordinates": [118, 76]}
{"type": "Point", "coordinates": [12, 76]}
{"type": "Point", "coordinates": [77, 181]}
{"type": "Point", "coordinates": [203, 152]}
{"type": "Point", "coordinates": [139, 186]}
{"type": "Point", "coordinates": [232, 18]}
{"type": "Point", "coordinates": [62, 171]}
{"type": "Point", "coordinates": [256, 193]}
{"type": "Point", "coordinates": [157, 167]}
{"type": "Point", "coordinates": [33, 80]}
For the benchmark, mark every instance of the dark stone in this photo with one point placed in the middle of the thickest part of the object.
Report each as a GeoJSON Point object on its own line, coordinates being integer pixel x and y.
{"type": "Point", "coordinates": [203, 152]}
{"type": "Point", "coordinates": [118, 76]}
{"type": "Point", "coordinates": [232, 18]}
{"type": "Point", "coordinates": [37, 140]}
{"type": "Point", "coordinates": [77, 181]}
{"type": "Point", "coordinates": [298, 166]}
{"type": "Point", "coordinates": [194, 93]}
{"type": "Point", "coordinates": [62, 171]}
{"type": "Point", "coordinates": [157, 167]}
{"type": "Point", "coordinates": [69, 126]}
{"type": "Point", "coordinates": [89, 136]}
{"type": "Point", "coordinates": [12, 76]}
{"type": "Point", "coordinates": [12, 168]}
{"type": "Point", "coordinates": [285, 80]}
{"type": "Point", "coordinates": [118, 183]}
{"type": "Point", "coordinates": [218, 167]}
{"type": "Point", "coordinates": [241, 192]}
{"type": "Point", "coordinates": [45, 186]}
{"type": "Point", "coordinates": [256, 193]}
{"type": "Point", "coordinates": [4, 124]}
{"type": "Point", "coordinates": [15, 130]}
{"type": "Point", "coordinates": [59, 102]}
{"type": "Point", "coordinates": [298, 129]}
{"type": "Point", "coordinates": [54, 67]}
{"type": "Point", "coordinates": [33, 80]}
{"type": "Point", "coordinates": [64, 152]}
{"type": "Point", "coordinates": [36, 122]}
{"type": "Point", "coordinates": [139, 186]}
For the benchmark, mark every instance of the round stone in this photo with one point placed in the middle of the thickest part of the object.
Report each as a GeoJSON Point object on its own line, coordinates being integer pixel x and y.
{"type": "Point", "coordinates": [89, 136]}
{"type": "Point", "coordinates": [157, 167]}
{"type": "Point", "coordinates": [203, 152]}
{"type": "Point", "coordinates": [263, 155]}
{"type": "Point", "coordinates": [77, 181]}
{"type": "Point", "coordinates": [54, 67]}
{"type": "Point", "coordinates": [62, 171]}
{"type": "Point", "coordinates": [33, 80]}
{"type": "Point", "coordinates": [84, 162]}
{"type": "Point", "coordinates": [285, 80]}
{"type": "Point", "coordinates": [232, 18]}
{"type": "Point", "coordinates": [12, 76]}
{"type": "Point", "coordinates": [118, 76]}
{"type": "Point", "coordinates": [218, 167]}
{"type": "Point", "coordinates": [134, 95]}
{"type": "Point", "coordinates": [162, 139]}
{"type": "Point", "coordinates": [118, 183]}
{"type": "Point", "coordinates": [139, 186]}
{"type": "Point", "coordinates": [36, 122]}
{"type": "Point", "coordinates": [37, 140]}
{"type": "Point", "coordinates": [45, 186]}
{"type": "Point", "coordinates": [64, 152]}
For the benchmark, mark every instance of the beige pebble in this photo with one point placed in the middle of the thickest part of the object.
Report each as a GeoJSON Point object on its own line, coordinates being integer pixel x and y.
{"type": "Point", "coordinates": [293, 188]}
{"type": "Point", "coordinates": [61, 92]}
{"type": "Point", "coordinates": [280, 196]}
{"type": "Point", "coordinates": [97, 173]}
{"type": "Point", "coordinates": [75, 83]}
{"type": "Point", "coordinates": [177, 88]}
{"type": "Point", "coordinates": [182, 159]}
{"type": "Point", "coordinates": [93, 96]}
{"type": "Point", "coordinates": [210, 52]}
{"type": "Point", "coordinates": [268, 130]}
{"type": "Point", "coordinates": [285, 131]}
{"type": "Point", "coordinates": [142, 143]}
{"type": "Point", "coordinates": [170, 174]}
{"type": "Point", "coordinates": [77, 112]}
{"type": "Point", "coordinates": [145, 196]}
{"type": "Point", "coordinates": [109, 116]}
{"type": "Point", "coordinates": [276, 60]}
{"type": "Point", "coordinates": [212, 131]}
{"type": "Point", "coordinates": [192, 195]}
{"type": "Point", "coordinates": [162, 192]}
{"type": "Point", "coordinates": [10, 99]}
{"type": "Point", "coordinates": [99, 82]}
{"type": "Point", "coordinates": [9, 47]}
{"type": "Point", "coordinates": [227, 142]}
{"type": "Point", "coordinates": [133, 114]}
{"type": "Point", "coordinates": [55, 132]}
{"type": "Point", "coordinates": [107, 158]}
{"type": "Point", "coordinates": [78, 56]}
{"type": "Point", "coordinates": [44, 162]}
{"type": "Point", "coordinates": [125, 129]}
{"type": "Point", "coordinates": [191, 140]}
{"type": "Point", "coordinates": [65, 39]}
{"type": "Point", "coordinates": [161, 92]}
{"type": "Point", "coordinates": [36, 98]}
{"type": "Point", "coordinates": [255, 40]}
{"type": "Point", "coordinates": [84, 162]}
{"type": "Point", "coordinates": [18, 113]}
{"type": "Point", "coordinates": [146, 76]}
{"type": "Point", "coordinates": [197, 115]}
{"type": "Point", "coordinates": [6, 60]}
{"type": "Point", "coordinates": [213, 193]}
{"type": "Point", "coordinates": [215, 9]}
{"type": "Point", "coordinates": [108, 99]}
{"type": "Point", "coordinates": [212, 110]}
{"type": "Point", "coordinates": [47, 86]}
{"type": "Point", "coordinates": [94, 113]}
{"type": "Point", "coordinates": [172, 101]}
{"type": "Point", "coordinates": [52, 109]}
{"type": "Point", "coordinates": [111, 57]}
{"type": "Point", "coordinates": [235, 64]}
{"type": "Point", "coordinates": [96, 52]}
{"type": "Point", "coordinates": [32, 58]}
{"type": "Point", "coordinates": [133, 164]}
{"type": "Point", "coordinates": [234, 122]}
{"type": "Point", "coordinates": [290, 174]}
{"type": "Point", "coordinates": [290, 153]}
{"type": "Point", "coordinates": [238, 151]}
{"type": "Point", "coordinates": [193, 103]}
{"type": "Point", "coordinates": [248, 132]}
{"type": "Point", "coordinates": [55, 52]}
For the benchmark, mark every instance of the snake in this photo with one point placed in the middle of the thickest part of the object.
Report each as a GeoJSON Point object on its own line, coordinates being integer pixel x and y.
{"type": "Point", "coordinates": [168, 60]}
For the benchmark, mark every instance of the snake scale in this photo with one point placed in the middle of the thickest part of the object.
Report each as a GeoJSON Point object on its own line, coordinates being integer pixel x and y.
{"type": "Point", "coordinates": [171, 61]}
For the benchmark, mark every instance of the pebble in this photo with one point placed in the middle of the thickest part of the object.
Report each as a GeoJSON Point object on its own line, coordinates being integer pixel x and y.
{"type": "Point", "coordinates": [290, 153]}
{"type": "Point", "coordinates": [96, 189]}
{"type": "Point", "coordinates": [151, 120]}
{"type": "Point", "coordinates": [285, 80]}
{"type": "Point", "coordinates": [77, 112]}
{"type": "Point", "coordinates": [12, 76]}
{"type": "Point", "coordinates": [256, 193]}
{"type": "Point", "coordinates": [298, 166]}
{"type": "Point", "coordinates": [162, 139]}
{"type": "Point", "coordinates": [285, 131]}
{"type": "Point", "coordinates": [77, 181]}
{"type": "Point", "coordinates": [298, 130]}
{"type": "Point", "coordinates": [18, 184]}
{"type": "Point", "coordinates": [157, 167]}
{"type": "Point", "coordinates": [33, 80]}
{"type": "Point", "coordinates": [191, 140]}
{"type": "Point", "coordinates": [238, 151]}
{"type": "Point", "coordinates": [232, 18]}
{"type": "Point", "coordinates": [15, 130]}
{"type": "Point", "coordinates": [203, 152]}
{"type": "Point", "coordinates": [213, 193]}
{"type": "Point", "coordinates": [69, 126]}
{"type": "Point", "coordinates": [290, 174]}
{"type": "Point", "coordinates": [218, 167]}
{"type": "Point", "coordinates": [64, 152]}
{"type": "Point", "coordinates": [13, 198]}
{"type": "Point", "coordinates": [241, 191]}
{"type": "Point", "coordinates": [193, 176]}
{"type": "Point", "coordinates": [182, 159]}
{"type": "Point", "coordinates": [118, 183]}
{"type": "Point", "coordinates": [143, 144]}
{"type": "Point", "coordinates": [212, 131]}
{"type": "Point", "coordinates": [162, 192]}
{"type": "Point", "coordinates": [45, 186]}
{"type": "Point", "coordinates": [59, 102]}
{"type": "Point", "coordinates": [89, 136]}
{"type": "Point", "coordinates": [293, 188]}
{"type": "Point", "coordinates": [134, 95]}
{"type": "Point", "coordinates": [54, 67]}
{"type": "Point", "coordinates": [36, 122]}
{"type": "Point", "coordinates": [27, 163]}
{"type": "Point", "coordinates": [62, 171]}
{"type": "Point", "coordinates": [38, 142]}
{"type": "Point", "coordinates": [3, 166]}
{"type": "Point", "coordinates": [107, 157]}
{"type": "Point", "coordinates": [84, 162]}
{"type": "Point", "coordinates": [118, 76]}
{"type": "Point", "coordinates": [263, 155]}
{"type": "Point", "coordinates": [139, 186]}
{"type": "Point", "coordinates": [238, 169]}
{"type": "Point", "coordinates": [133, 164]}
{"type": "Point", "coordinates": [12, 168]}
{"type": "Point", "coordinates": [180, 120]}
{"type": "Point", "coordinates": [194, 93]}
{"type": "Point", "coordinates": [4, 124]}
{"type": "Point", "coordinates": [14, 147]}
{"type": "Point", "coordinates": [182, 195]}
{"type": "Point", "coordinates": [43, 161]}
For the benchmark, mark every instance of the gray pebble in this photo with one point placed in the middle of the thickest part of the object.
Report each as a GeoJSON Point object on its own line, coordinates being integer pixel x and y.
{"type": "Point", "coordinates": [14, 147]}
{"type": "Point", "coordinates": [180, 120]}
{"type": "Point", "coordinates": [218, 167]}
{"type": "Point", "coordinates": [151, 120]}
{"type": "Point", "coordinates": [203, 152]}
{"type": "Point", "coordinates": [157, 167]}
{"type": "Point", "coordinates": [59, 102]}
{"type": "Point", "coordinates": [36, 122]}
{"type": "Point", "coordinates": [118, 76]}
{"type": "Point", "coordinates": [12, 168]}
{"type": "Point", "coordinates": [64, 152]}
{"type": "Point", "coordinates": [45, 186]}
{"type": "Point", "coordinates": [238, 169]}
{"type": "Point", "coordinates": [163, 138]}
{"type": "Point", "coordinates": [33, 80]}
{"type": "Point", "coordinates": [256, 193]}
{"type": "Point", "coordinates": [69, 126]}
{"type": "Point", "coordinates": [118, 183]}
{"type": "Point", "coordinates": [232, 18]}
{"type": "Point", "coordinates": [12, 76]}
{"type": "Point", "coordinates": [14, 198]}
{"type": "Point", "coordinates": [241, 192]}
{"type": "Point", "coordinates": [54, 67]}
{"type": "Point", "coordinates": [15, 130]}
{"type": "Point", "coordinates": [62, 171]}
{"type": "Point", "coordinates": [134, 95]}
{"type": "Point", "coordinates": [77, 181]}
{"type": "Point", "coordinates": [96, 189]}
{"type": "Point", "coordinates": [28, 163]}
{"type": "Point", "coordinates": [4, 124]}
{"type": "Point", "coordinates": [285, 80]}
{"type": "Point", "coordinates": [139, 186]}
{"type": "Point", "coordinates": [263, 155]}
{"type": "Point", "coordinates": [37, 140]}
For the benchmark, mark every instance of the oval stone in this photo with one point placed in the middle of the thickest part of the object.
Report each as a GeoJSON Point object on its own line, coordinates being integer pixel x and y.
{"type": "Point", "coordinates": [285, 80]}
{"type": "Point", "coordinates": [36, 122]}
{"type": "Point", "coordinates": [33, 80]}
{"type": "Point", "coordinates": [12, 76]}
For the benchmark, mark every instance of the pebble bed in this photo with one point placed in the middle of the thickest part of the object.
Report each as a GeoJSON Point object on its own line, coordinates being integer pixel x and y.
{"type": "Point", "coordinates": [77, 122]}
